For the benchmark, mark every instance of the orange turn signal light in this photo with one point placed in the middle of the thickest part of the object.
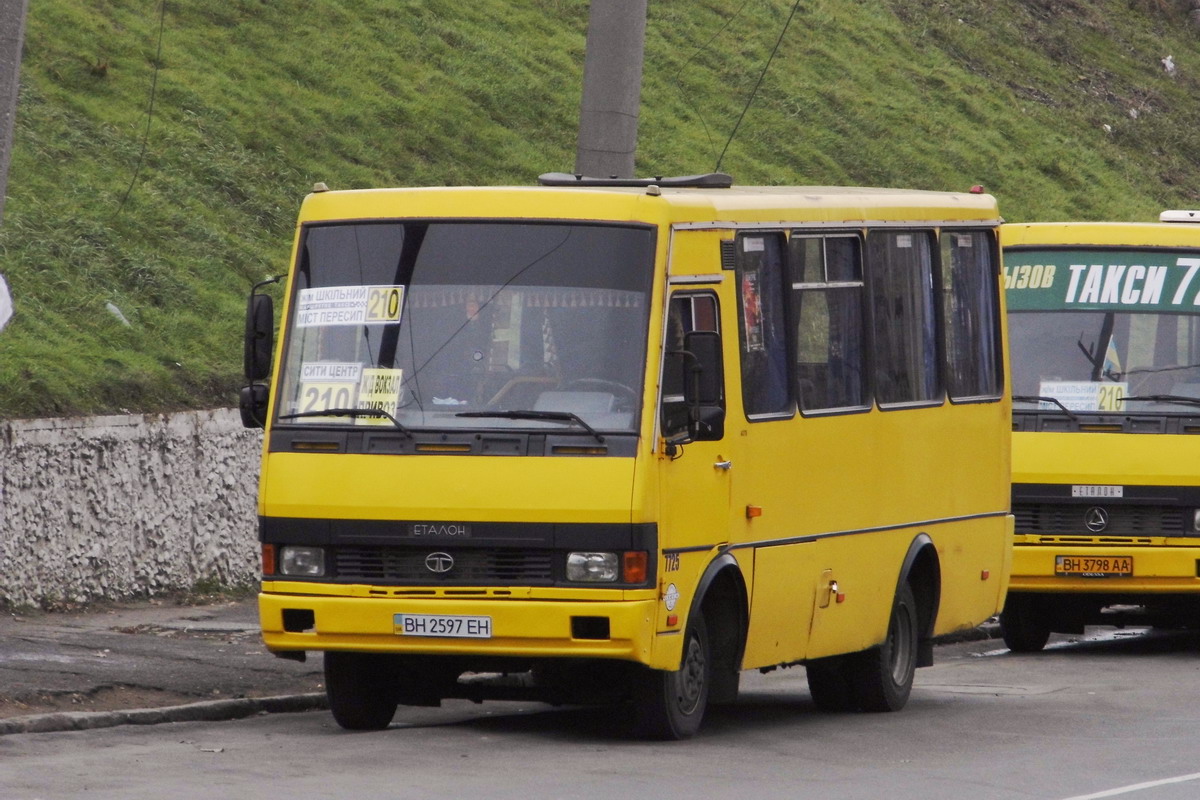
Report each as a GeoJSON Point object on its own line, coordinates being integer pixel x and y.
{"type": "Point", "coordinates": [634, 566]}
{"type": "Point", "coordinates": [268, 559]}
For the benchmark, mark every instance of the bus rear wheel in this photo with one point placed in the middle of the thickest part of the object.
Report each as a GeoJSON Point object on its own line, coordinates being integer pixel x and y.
{"type": "Point", "coordinates": [670, 704]}
{"type": "Point", "coordinates": [361, 688]}
{"type": "Point", "coordinates": [883, 676]}
{"type": "Point", "coordinates": [830, 686]}
{"type": "Point", "coordinates": [1022, 625]}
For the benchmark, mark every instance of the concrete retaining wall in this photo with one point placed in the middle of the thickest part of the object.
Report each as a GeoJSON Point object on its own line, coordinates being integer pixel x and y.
{"type": "Point", "coordinates": [112, 507]}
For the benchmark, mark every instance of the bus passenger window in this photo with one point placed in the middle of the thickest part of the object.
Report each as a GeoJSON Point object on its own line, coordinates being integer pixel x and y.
{"type": "Point", "coordinates": [765, 389]}
{"type": "Point", "coordinates": [971, 310]}
{"type": "Point", "coordinates": [827, 310]}
{"type": "Point", "coordinates": [900, 270]}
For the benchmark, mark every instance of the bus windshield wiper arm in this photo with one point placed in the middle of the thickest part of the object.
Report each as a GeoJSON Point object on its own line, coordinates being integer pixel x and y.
{"type": "Point", "coordinates": [1033, 398]}
{"type": "Point", "coordinates": [351, 412]}
{"type": "Point", "coordinates": [553, 416]}
{"type": "Point", "coordinates": [1164, 398]}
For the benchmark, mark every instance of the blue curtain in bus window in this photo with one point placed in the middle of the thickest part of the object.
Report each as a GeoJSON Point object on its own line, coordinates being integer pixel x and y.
{"type": "Point", "coordinates": [900, 265]}
{"type": "Point", "coordinates": [971, 312]}
{"type": "Point", "coordinates": [844, 265]}
{"type": "Point", "coordinates": [761, 314]}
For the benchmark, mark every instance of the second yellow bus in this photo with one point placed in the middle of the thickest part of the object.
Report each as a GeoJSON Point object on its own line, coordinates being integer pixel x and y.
{"type": "Point", "coordinates": [1104, 322]}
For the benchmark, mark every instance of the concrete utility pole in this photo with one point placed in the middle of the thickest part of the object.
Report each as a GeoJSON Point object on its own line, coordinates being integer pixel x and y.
{"type": "Point", "coordinates": [612, 88]}
{"type": "Point", "coordinates": [12, 38]}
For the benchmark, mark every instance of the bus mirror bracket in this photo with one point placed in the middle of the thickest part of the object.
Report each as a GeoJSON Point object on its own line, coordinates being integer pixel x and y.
{"type": "Point", "coordinates": [703, 385]}
{"type": "Point", "coordinates": [252, 402]}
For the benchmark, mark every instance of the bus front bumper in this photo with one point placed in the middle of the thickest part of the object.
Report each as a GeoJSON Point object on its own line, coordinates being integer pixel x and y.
{"type": "Point", "coordinates": [520, 628]}
{"type": "Point", "coordinates": [1157, 569]}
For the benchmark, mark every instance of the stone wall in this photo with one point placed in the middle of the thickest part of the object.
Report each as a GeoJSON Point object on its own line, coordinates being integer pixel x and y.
{"type": "Point", "coordinates": [113, 507]}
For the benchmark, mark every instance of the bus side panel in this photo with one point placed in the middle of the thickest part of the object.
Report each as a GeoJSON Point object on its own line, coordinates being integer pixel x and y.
{"type": "Point", "coordinates": [780, 615]}
{"type": "Point", "coordinates": [865, 568]}
{"type": "Point", "coordinates": [971, 593]}
{"type": "Point", "coordinates": [867, 485]}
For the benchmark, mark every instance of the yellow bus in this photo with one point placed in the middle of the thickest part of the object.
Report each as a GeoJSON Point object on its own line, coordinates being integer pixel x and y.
{"type": "Point", "coordinates": [1104, 322]}
{"type": "Point", "coordinates": [616, 441]}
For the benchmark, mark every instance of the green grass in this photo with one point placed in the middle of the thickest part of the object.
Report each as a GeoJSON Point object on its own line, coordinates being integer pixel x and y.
{"type": "Point", "coordinates": [258, 100]}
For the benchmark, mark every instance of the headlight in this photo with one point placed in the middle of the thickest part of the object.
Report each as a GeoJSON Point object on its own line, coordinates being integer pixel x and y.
{"type": "Point", "coordinates": [1196, 521]}
{"type": "Point", "coordinates": [307, 561]}
{"type": "Point", "coordinates": [593, 567]}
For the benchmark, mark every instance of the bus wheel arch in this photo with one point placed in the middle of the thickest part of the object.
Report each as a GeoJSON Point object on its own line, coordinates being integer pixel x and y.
{"type": "Point", "coordinates": [721, 598]}
{"type": "Point", "coordinates": [922, 571]}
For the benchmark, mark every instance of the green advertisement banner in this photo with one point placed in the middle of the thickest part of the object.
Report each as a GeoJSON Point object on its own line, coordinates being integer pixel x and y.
{"type": "Point", "coordinates": [1102, 280]}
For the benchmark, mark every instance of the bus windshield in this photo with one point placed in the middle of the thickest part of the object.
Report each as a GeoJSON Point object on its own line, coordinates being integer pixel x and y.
{"type": "Point", "coordinates": [1105, 361]}
{"type": "Point", "coordinates": [443, 324]}
{"type": "Point", "coordinates": [1104, 330]}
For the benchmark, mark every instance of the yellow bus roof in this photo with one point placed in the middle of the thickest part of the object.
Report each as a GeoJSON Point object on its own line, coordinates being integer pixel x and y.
{"type": "Point", "coordinates": [1100, 234]}
{"type": "Point", "coordinates": [655, 205]}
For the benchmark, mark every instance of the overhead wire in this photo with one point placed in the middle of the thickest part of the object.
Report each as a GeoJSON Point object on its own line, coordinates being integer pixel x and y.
{"type": "Point", "coordinates": [162, 16]}
{"type": "Point", "coordinates": [754, 91]}
{"type": "Point", "coordinates": [695, 52]}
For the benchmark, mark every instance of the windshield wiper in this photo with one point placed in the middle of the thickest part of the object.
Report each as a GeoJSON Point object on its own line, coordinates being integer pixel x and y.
{"type": "Point", "coordinates": [1164, 398]}
{"type": "Point", "coordinates": [553, 416]}
{"type": "Point", "coordinates": [351, 412]}
{"type": "Point", "coordinates": [1031, 398]}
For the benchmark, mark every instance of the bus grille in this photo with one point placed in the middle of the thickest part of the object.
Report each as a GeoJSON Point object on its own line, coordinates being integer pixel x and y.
{"type": "Point", "coordinates": [1130, 520]}
{"type": "Point", "coordinates": [404, 565]}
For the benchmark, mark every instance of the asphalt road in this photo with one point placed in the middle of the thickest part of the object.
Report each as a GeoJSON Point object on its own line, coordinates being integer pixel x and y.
{"type": "Point", "coordinates": [1110, 716]}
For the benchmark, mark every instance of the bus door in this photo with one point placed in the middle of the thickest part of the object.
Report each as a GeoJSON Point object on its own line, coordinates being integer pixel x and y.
{"type": "Point", "coordinates": [696, 479]}
{"type": "Point", "coordinates": [775, 490]}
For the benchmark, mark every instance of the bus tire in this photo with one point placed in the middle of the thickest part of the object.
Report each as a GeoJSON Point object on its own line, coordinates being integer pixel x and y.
{"type": "Point", "coordinates": [670, 704]}
{"type": "Point", "coordinates": [1022, 625]}
{"type": "Point", "coordinates": [883, 677]}
{"type": "Point", "coordinates": [361, 688]}
{"type": "Point", "coordinates": [830, 686]}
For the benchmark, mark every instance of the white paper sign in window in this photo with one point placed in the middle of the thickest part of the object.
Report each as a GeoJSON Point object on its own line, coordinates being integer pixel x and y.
{"type": "Point", "coordinates": [1084, 395]}
{"type": "Point", "coordinates": [349, 305]}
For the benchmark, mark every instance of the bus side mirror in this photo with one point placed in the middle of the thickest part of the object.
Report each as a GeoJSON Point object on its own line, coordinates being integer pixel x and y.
{"type": "Point", "coordinates": [704, 386]}
{"type": "Point", "coordinates": [260, 335]}
{"type": "Point", "coordinates": [257, 345]}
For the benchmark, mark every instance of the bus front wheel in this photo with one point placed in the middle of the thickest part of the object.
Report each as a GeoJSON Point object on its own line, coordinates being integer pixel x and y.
{"type": "Point", "coordinates": [1023, 626]}
{"type": "Point", "coordinates": [670, 704]}
{"type": "Point", "coordinates": [883, 676]}
{"type": "Point", "coordinates": [361, 688]}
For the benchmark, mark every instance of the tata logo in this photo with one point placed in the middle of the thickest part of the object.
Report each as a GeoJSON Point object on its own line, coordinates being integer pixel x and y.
{"type": "Point", "coordinates": [456, 529]}
{"type": "Point", "coordinates": [439, 562]}
{"type": "Point", "coordinates": [1096, 519]}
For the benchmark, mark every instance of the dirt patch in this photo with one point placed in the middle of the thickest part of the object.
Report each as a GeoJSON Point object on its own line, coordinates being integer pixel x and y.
{"type": "Point", "coordinates": [111, 698]}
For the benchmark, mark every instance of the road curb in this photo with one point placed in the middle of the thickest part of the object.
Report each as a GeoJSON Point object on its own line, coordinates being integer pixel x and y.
{"type": "Point", "coordinates": [206, 711]}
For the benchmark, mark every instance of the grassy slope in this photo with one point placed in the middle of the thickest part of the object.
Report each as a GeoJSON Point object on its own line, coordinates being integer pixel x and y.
{"type": "Point", "coordinates": [256, 100]}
